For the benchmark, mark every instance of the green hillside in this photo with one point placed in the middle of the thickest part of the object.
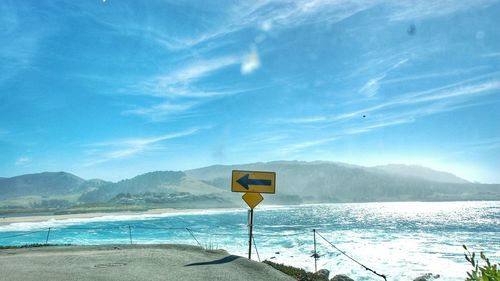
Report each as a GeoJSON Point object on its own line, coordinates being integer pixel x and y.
{"type": "Point", "coordinates": [297, 182]}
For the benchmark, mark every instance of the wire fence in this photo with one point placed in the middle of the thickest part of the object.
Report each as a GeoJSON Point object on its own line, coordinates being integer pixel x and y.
{"type": "Point", "coordinates": [129, 232]}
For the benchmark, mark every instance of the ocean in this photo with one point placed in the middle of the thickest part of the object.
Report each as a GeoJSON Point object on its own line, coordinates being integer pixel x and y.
{"type": "Point", "coordinates": [400, 240]}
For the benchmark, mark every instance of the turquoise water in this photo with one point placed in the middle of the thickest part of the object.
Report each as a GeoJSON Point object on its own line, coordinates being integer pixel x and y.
{"type": "Point", "coordinates": [400, 240]}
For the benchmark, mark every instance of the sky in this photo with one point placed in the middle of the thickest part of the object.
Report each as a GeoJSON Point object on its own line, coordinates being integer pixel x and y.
{"type": "Point", "coordinates": [112, 89]}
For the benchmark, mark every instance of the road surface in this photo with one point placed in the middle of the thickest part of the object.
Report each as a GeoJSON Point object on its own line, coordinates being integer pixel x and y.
{"type": "Point", "coordinates": [130, 262]}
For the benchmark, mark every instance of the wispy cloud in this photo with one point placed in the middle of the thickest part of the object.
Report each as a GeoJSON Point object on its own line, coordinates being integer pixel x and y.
{"type": "Point", "coordinates": [298, 146]}
{"type": "Point", "coordinates": [456, 90]}
{"type": "Point", "coordinates": [295, 147]}
{"type": "Point", "coordinates": [163, 110]}
{"type": "Point", "coordinates": [179, 90]}
{"type": "Point", "coordinates": [456, 93]}
{"type": "Point", "coordinates": [463, 91]}
{"type": "Point", "coordinates": [386, 122]}
{"type": "Point", "coordinates": [17, 52]}
{"type": "Point", "coordinates": [407, 108]}
{"type": "Point", "coordinates": [23, 161]}
{"type": "Point", "coordinates": [411, 10]}
{"type": "Point", "coordinates": [371, 87]}
{"type": "Point", "coordinates": [178, 82]}
{"type": "Point", "coordinates": [434, 75]}
{"type": "Point", "coordinates": [482, 144]}
{"type": "Point", "coordinates": [300, 120]}
{"type": "Point", "coordinates": [123, 148]}
{"type": "Point", "coordinates": [264, 14]}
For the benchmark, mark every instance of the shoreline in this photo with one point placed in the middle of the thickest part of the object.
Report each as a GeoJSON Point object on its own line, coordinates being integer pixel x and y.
{"type": "Point", "coordinates": [32, 218]}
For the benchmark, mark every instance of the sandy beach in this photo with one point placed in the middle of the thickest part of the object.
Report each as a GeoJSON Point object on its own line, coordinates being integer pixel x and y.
{"type": "Point", "coordinates": [39, 218]}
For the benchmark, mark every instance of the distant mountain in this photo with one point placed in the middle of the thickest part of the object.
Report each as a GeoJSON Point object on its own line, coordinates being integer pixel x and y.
{"type": "Point", "coordinates": [419, 172]}
{"type": "Point", "coordinates": [161, 182]}
{"type": "Point", "coordinates": [336, 182]}
{"type": "Point", "coordinates": [42, 184]}
{"type": "Point", "coordinates": [296, 182]}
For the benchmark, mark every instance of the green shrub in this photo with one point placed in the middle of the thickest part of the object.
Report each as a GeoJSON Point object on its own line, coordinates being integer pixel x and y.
{"type": "Point", "coordinates": [486, 272]}
{"type": "Point", "coordinates": [297, 273]}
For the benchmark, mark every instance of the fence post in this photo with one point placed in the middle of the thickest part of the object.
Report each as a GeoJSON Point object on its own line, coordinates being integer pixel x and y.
{"type": "Point", "coordinates": [192, 235]}
{"type": "Point", "coordinates": [47, 239]}
{"type": "Point", "coordinates": [130, 234]}
{"type": "Point", "coordinates": [255, 246]}
{"type": "Point", "coordinates": [315, 255]}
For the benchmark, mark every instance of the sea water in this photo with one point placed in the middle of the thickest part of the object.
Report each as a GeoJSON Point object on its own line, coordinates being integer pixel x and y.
{"type": "Point", "coordinates": [400, 240]}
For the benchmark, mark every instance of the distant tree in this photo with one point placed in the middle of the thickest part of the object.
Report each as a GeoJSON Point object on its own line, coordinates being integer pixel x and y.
{"type": "Point", "coordinates": [52, 203]}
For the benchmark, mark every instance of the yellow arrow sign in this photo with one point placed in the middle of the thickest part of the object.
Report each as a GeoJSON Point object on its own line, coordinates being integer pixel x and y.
{"type": "Point", "coordinates": [253, 181]}
{"type": "Point", "coordinates": [252, 199]}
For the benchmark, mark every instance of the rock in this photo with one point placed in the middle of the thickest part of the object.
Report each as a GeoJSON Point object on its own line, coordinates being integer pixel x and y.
{"type": "Point", "coordinates": [341, 277]}
{"type": "Point", "coordinates": [427, 277]}
{"type": "Point", "coordinates": [323, 272]}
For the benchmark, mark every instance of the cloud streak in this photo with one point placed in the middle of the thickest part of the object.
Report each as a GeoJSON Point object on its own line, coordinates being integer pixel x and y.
{"type": "Point", "coordinates": [405, 109]}
{"type": "Point", "coordinates": [178, 82]}
{"type": "Point", "coordinates": [410, 10]}
{"type": "Point", "coordinates": [492, 143]}
{"type": "Point", "coordinates": [371, 87]}
{"type": "Point", "coordinates": [456, 90]}
{"type": "Point", "coordinates": [265, 16]}
{"type": "Point", "coordinates": [162, 111]}
{"type": "Point", "coordinates": [23, 161]}
{"type": "Point", "coordinates": [179, 91]}
{"type": "Point", "coordinates": [124, 148]}
{"type": "Point", "coordinates": [265, 13]}
{"type": "Point", "coordinates": [17, 51]}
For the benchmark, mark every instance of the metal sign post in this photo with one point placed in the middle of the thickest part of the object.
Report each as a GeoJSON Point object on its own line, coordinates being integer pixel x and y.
{"type": "Point", "coordinates": [250, 233]}
{"type": "Point", "coordinates": [252, 200]}
{"type": "Point", "coordinates": [253, 183]}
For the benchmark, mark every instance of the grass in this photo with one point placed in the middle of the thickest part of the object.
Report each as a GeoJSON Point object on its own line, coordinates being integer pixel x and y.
{"type": "Point", "coordinates": [210, 246]}
{"type": "Point", "coordinates": [297, 273]}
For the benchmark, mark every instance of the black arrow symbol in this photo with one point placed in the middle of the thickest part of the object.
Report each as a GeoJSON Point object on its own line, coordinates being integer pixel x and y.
{"type": "Point", "coordinates": [245, 181]}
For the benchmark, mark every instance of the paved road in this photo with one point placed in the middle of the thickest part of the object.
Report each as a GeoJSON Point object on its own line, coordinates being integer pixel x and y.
{"type": "Point", "coordinates": [130, 262]}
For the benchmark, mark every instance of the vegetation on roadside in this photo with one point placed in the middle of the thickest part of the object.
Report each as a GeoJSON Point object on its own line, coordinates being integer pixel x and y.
{"type": "Point", "coordinates": [297, 273]}
{"type": "Point", "coordinates": [487, 272]}
{"type": "Point", "coordinates": [34, 245]}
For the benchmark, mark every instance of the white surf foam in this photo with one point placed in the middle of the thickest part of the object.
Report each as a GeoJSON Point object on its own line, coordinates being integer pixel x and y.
{"type": "Point", "coordinates": [61, 223]}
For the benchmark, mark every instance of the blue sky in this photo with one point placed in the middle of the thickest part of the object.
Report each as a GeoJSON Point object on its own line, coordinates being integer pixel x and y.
{"type": "Point", "coordinates": [111, 89]}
